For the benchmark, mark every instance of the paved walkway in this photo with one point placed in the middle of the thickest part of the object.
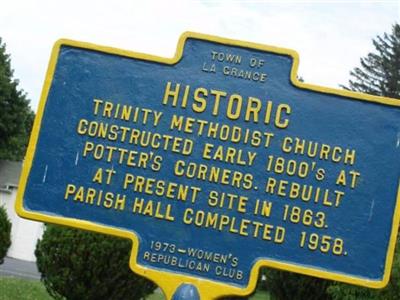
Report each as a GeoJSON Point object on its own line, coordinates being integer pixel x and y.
{"type": "Point", "coordinates": [19, 268]}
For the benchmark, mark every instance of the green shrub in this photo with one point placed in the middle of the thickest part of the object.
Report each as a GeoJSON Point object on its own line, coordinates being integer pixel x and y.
{"type": "Point", "coordinates": [5, 233]}
{"type": "Point", "coordinates": [342, 291]}
{"type": "Point", "coordinates": [284, 285]}
{"type": "Point", "coordinates": [82, 265]}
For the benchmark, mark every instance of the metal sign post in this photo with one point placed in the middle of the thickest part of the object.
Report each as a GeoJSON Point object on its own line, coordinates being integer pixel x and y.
{"type": "Point", "coordinates": [186, 292]}
{"type": "Point", "coordinates": [215, 163]}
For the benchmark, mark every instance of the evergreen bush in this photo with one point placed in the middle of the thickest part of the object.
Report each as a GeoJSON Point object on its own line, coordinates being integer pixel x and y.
{"type": "Point", "coordinates": [5, 233]}
{"type": "Point", "coordinates": [77, 264]}
{"type": "Point", "coordinates": [284, 285]}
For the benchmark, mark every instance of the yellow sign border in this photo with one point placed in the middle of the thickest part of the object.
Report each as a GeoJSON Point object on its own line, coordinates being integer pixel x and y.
{"type": "Point", "coordinates": [169, 281]}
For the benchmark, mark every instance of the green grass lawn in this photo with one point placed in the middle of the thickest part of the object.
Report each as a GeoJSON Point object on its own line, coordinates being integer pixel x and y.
{"type": "Point", "coordinates": [260, 296]}
{"type": "Point", "coordinates": [24, 289]}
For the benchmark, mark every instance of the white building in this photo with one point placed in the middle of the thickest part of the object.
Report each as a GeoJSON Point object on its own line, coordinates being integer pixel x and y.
{"type": "Point", "coordinates": [24, 233]}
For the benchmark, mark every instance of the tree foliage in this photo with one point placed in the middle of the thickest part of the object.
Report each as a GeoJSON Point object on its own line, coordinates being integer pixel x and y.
{"type": "Point", "coordinates": [5, 233]}
{"type": "Point", "coordinates": [16, 117]}
{"type": "Point", "coordinates": [379, 72]}
{"type": "Point", "coordinates": [81, 265]}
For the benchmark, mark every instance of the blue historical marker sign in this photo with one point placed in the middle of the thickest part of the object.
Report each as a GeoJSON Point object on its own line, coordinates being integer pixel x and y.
{"type": "Point", "coordinates": [216, 162]}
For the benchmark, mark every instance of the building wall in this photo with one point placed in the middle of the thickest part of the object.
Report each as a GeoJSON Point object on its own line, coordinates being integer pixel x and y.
{"type": "Point", "coordinates": [24, 233]}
